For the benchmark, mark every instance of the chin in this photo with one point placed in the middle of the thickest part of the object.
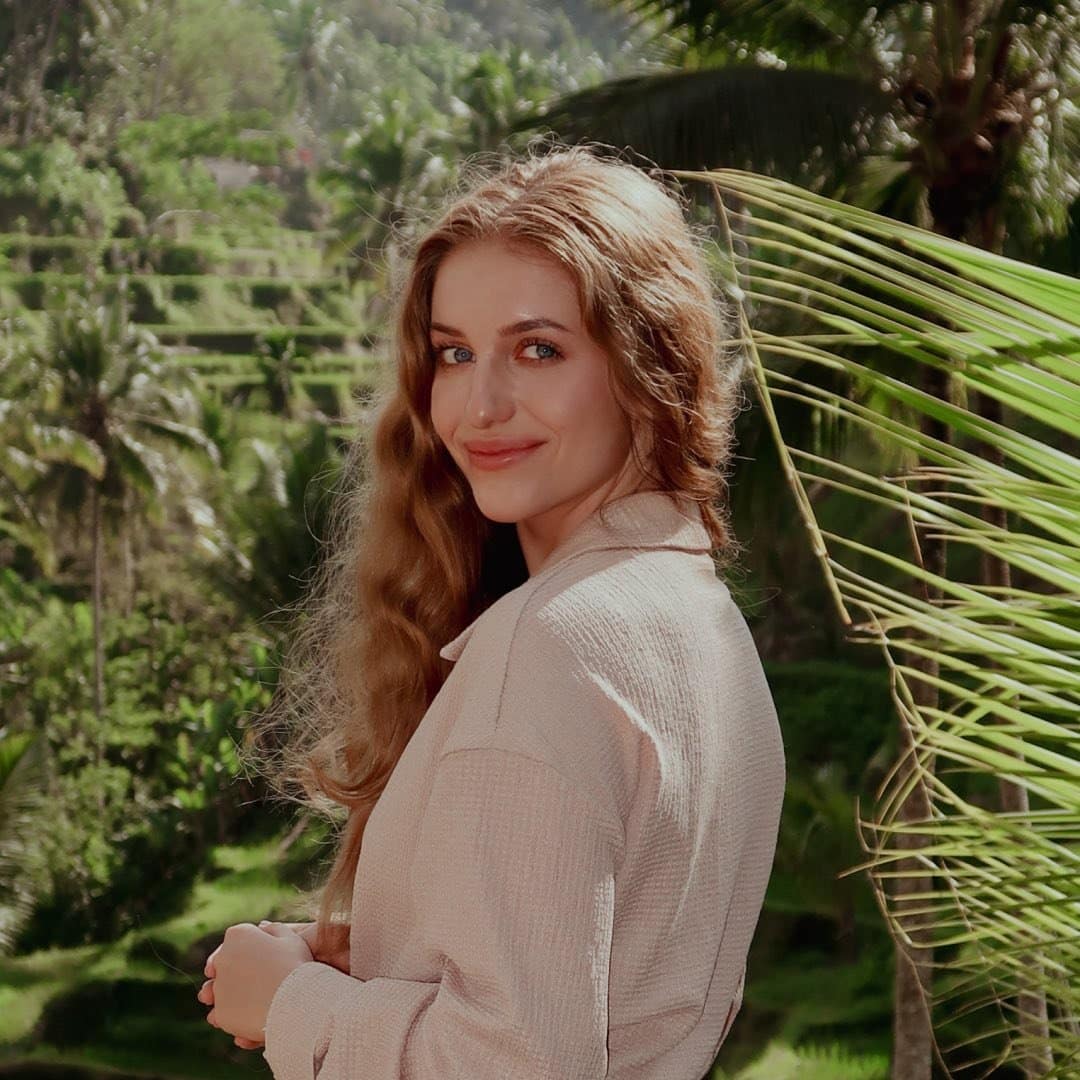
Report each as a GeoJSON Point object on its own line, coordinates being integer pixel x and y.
{"type": "Point", "coordinates": [507, 508]}
{"type": "Point", "coordinates": [500, 512]}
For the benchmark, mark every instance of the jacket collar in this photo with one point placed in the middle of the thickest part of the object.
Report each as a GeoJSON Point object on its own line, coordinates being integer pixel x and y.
{"type": "Point", "coordinates": [642, 519]}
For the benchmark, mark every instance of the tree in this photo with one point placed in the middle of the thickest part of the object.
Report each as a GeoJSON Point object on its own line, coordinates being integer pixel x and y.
{"type": "Point", "coordinates": [30, 389]}
{"type": "Point", "coordinates": [119, 394]}
{"type": "Point", "coordinates": [52, 47]}
{"type": "Point", "coordinates": [278, 520]}
{"type": "Point", "coordinates": [196, 57]}
{"type": "Point", "coordinates": [398, 157]}
{"type": "Point", "coordinates": [932, 113]}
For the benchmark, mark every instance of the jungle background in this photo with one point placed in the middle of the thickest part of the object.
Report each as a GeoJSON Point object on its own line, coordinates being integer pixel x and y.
{"type": "Point", "coordinates": [198, 208]}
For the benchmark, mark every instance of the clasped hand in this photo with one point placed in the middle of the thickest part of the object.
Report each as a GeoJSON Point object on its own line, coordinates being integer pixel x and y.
{"type": "Point", "coordinates": [244, 972]}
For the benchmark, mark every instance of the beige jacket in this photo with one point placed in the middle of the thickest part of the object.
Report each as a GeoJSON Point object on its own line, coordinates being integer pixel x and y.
{"type": "Point", "coordinates": [563, 875]}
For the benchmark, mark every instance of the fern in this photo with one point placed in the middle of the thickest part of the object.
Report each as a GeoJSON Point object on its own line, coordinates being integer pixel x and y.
{"type": "Point", "coordinates": [831, 1061]}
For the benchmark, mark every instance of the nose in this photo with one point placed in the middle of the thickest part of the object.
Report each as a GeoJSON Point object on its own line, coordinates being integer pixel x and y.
{"type": "Point", "coordinates": [491, 393]}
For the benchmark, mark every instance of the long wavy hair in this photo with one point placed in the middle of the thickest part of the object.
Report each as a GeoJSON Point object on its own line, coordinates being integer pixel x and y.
{"type": "Point", "coordinates": [409, 559]}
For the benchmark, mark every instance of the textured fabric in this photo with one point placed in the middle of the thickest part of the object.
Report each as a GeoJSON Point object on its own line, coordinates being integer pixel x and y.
{"type": "Point", "coordinates": [564, 872]}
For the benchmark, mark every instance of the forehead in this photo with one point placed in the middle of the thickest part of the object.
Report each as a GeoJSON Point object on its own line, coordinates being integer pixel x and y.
{"type": "Point", "coordinates": [491, 277]}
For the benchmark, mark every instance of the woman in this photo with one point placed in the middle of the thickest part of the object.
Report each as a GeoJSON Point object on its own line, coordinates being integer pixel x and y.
{"type": "Point", "coordinates": [522, 651]}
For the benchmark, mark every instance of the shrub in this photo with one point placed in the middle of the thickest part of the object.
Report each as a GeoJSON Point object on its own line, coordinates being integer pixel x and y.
{"type": "Point", "coordinates": [120, 840]}
{"type": "Point", "coordinates": [53, 191]}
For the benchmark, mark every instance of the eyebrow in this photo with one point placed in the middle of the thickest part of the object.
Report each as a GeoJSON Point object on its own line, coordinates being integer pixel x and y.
{"type": "Point", "coordinates": [519, 327]}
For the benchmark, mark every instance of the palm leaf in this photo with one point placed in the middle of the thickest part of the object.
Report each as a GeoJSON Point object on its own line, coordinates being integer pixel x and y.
{"type": "Point", "coordinates": [146, 467]}
{"type": "Point", "coordinates": [868, 300]}
{"type": "Point", "coordinates": [22, 775]}
{"type": "Point", "coordinates": [51, 444]}
{"type": "Point", "coordinates": [186, 436]}
{"type": "Point", "coordinates": [768, 119]}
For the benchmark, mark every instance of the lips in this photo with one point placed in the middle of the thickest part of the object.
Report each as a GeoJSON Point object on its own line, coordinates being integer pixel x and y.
{"type": "Point", "coordinates": [501, 459]}
{"type": "Point", "coordinates": [500, 446]}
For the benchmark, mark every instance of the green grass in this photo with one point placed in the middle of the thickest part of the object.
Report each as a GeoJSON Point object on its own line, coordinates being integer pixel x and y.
{"type": "Point", "coordinates": [248, 890]}
{"type": "Point", "coordinates": [129, 1005]}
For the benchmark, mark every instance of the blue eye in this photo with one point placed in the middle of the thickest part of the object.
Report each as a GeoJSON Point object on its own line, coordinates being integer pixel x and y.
{"type": "Point", "coordinates": [537, 342]}
{"type": "Point", "coordinates": [555, 353]}
{"type": "Point", "coordinates": [438, 350]}
{"type": "Point", "coordinates": [462, 354]}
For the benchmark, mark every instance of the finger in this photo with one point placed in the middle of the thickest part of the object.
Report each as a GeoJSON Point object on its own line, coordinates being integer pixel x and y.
{"type": "Point", "coordinates": [247, 1044]}
{"type": "Point", "coordinates": [206, 992]}
{"type": "Point", "coordinates": [210, 968]}
{"type": "Point", "coordinates": [211, 1019]}
{"type": "Point", "coordinates": [276, 929]}
{"type": "Point", "coordinates": [292, 927]}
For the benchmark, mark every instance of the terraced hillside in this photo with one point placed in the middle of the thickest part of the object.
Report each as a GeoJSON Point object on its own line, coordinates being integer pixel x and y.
{"type": "Point", "coordinates": [267, 321]}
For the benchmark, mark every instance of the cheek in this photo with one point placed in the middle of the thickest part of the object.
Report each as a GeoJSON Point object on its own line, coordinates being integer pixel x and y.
{"type": "Point", "coordinates": [443, 416]}
{"type": "Point", "coordinates": [583, 408]}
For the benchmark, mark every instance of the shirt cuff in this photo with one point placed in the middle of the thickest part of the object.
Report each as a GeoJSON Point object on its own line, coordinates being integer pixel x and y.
{"type": "Point", "coordinates": [300, 1020]}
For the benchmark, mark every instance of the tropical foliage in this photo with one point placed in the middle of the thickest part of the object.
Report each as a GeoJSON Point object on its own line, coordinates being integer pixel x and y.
{"type": "Point", "coordinates": [960, 115]}
{"type": "Point", "coordinates": [837, 306]}
{"type": "Point", "coordinates": [113, 393]}
{"type": "Point", "coordinates": [21, 768]}
{"type": "Point", "coordinates": [199, 209]}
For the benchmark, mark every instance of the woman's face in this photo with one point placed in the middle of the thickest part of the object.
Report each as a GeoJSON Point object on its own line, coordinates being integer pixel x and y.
{"type": "Point", "coordinates": [513, 361]}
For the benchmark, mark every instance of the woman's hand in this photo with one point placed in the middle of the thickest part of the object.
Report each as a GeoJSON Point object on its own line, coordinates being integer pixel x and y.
{"type": "Point", "coordinates": [245, 971]}
{"type": "Point", "coordinates": [307, 931]}
{"type": "Point", "coordinates": [339, 959]}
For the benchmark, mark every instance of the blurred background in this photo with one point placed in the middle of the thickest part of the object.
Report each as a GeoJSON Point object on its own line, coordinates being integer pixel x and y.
{"type": "Point", "coordinates": [200, 204]}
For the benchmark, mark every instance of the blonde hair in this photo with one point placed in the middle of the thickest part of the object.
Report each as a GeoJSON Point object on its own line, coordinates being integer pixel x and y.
{"type": "Point", "coordinates": [410, 559]}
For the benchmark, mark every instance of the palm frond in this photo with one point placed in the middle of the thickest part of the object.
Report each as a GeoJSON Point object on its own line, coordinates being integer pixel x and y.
{"type": "Point", "coordinates": [790, 26]}
{"type": "Point", "coordinates": [22, 774]}
{"type": "Point", "coordinates": [64, 444]}
{"type": "Point", "coordinates": [143, 465]}
{"type": "Point", "coordinates": [183, 435]}
{"type": "Point", "coordinates": [773, 120]}
{"type": "Point", "coordinates": [875, 301]}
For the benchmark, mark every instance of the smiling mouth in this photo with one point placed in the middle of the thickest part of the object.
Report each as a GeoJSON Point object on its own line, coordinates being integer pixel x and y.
{"type": "Point", "coordinates": [501, 457]}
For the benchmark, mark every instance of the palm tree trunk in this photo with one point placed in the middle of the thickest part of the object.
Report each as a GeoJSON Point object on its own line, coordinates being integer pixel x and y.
{"type": "Point", "coordinates": [1033, 1019]}
{"type": "Point", "coordinates": [912, 1027]}
{"type": "Point", "coordinates": [913, 1036]}
{"type": "Point", "coordinates": [129, 573]}
{"type": "Point", "coordinates": [128, 558]}
{"type": "Point", "coordinates": [99, 647]}
{"type": "Point", "coordinates": [95, 594]}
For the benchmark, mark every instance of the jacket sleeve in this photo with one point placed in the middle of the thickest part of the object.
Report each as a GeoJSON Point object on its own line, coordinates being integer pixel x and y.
{"type": "Point", "coordinates": [514, 881]}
